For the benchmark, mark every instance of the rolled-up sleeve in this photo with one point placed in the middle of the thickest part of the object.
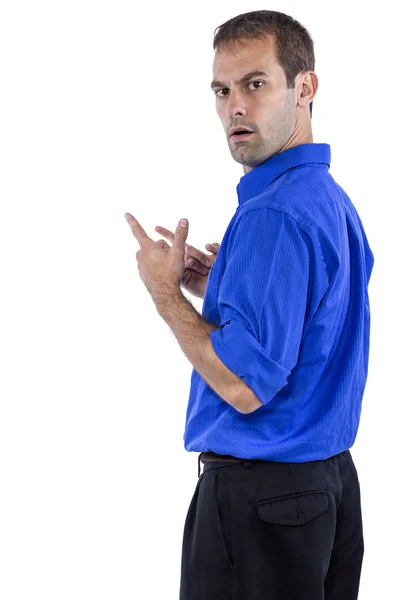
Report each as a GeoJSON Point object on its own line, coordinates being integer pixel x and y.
{"type": "Point", "coordinates": [262, 300]}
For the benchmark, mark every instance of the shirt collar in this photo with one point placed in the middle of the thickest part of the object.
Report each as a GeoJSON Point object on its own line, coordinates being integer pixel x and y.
{"type": "Point", "coordinates": [258, 179]}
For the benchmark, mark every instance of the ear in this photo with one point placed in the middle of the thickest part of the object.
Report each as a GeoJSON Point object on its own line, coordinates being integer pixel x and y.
{"type": "Point", "coordinates": [308, 86]}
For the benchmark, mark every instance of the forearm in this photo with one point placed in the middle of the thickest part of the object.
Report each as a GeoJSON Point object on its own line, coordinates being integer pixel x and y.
{"type": "Point", "coordinates": [193, 334]}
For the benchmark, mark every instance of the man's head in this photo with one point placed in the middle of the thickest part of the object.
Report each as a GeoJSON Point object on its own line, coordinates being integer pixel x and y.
{"type": "Point", "coordinates": [264, 81]}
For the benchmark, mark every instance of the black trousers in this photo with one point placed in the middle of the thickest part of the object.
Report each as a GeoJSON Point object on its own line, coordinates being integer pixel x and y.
{"type": "Point", "coordinates": [263, 530]}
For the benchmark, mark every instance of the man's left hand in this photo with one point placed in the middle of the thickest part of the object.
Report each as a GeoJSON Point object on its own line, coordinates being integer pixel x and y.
{"type": "Point", "coordinates": [160, 266]}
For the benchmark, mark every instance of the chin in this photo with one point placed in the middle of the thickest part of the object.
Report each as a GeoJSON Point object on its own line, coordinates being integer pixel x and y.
{"type": "Point", "coordinates": [247, 158]}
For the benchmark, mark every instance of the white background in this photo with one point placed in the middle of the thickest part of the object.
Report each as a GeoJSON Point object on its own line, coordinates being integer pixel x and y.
{"type": "Point", "coordinates": [106, 108]}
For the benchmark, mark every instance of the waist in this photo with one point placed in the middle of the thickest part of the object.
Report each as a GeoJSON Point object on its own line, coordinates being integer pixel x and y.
{"type": "Point", "coordinates": [212, 456]}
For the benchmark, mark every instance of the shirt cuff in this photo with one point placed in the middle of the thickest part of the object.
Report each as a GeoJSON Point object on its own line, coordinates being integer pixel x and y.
{"type": "Point", "coordinates": [239, 350]}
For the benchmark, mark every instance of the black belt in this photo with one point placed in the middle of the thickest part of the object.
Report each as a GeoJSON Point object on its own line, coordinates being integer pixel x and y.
{"type": "Point", "coordinates": [206, 457]}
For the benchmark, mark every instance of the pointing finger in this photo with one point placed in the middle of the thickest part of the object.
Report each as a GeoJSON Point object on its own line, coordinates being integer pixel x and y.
{"type": "Point", "coordinates": [137, 229]}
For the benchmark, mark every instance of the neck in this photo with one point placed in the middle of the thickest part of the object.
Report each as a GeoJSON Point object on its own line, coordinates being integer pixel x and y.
{"type": "Point", "coordinates": [298, 138]}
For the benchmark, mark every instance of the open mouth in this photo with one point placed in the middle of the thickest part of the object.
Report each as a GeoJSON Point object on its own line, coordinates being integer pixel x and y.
{"type": "Point", "coordinates": [240, 134]}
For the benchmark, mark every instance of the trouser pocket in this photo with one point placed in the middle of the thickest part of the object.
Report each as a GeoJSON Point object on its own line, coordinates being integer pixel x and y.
{"type": "Point", "coordinates": [295, 509]}
{"type": "Point", "coordinates": [223, 512]}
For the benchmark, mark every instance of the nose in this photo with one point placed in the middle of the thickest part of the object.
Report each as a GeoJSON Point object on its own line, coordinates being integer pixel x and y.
{"type": "Point", "coordinates": [236, 105]}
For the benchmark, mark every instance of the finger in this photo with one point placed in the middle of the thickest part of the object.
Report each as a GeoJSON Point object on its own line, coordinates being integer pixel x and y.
{"type": "Point", "coordinates": [212, 247]}
{"type": "Point", "coordinates": [192, 252]}
{"type": "Point", "coordinates": [137, 229]}
{"type": "Point", "coordinates": [189, 250]}
{"type": "Point", "coordinates": [163, 244]}
{"type": "Point", "coordinates": [165, 232]}
{"type": "Point", "coordinates": [195, 265]}
{"type": "Point", "coordinates": [181, 233]}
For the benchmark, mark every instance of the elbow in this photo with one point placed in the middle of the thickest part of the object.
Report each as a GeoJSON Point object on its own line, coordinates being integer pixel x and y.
{"type": "Point", "coordinates": [252, 406]}
{"type": "Point", "coordinates": [246, 401]}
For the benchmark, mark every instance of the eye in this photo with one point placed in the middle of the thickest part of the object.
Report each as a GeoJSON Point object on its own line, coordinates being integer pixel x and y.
{"type": "Point", "coordinates": [224, 92]}
{"type": "Point", "coordinates": [257, 84]}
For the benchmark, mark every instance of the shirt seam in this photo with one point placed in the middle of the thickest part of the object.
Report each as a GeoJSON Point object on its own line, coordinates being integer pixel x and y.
{"type": "Point", "coordinates": [301, 223]}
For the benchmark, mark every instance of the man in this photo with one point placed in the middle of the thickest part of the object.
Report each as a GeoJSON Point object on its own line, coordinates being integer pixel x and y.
{"type": "Point", "coordinates": [280, 353]}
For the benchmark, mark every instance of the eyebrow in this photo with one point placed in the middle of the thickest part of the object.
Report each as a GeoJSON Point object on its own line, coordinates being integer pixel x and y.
{"type": "Point", "coordinates": [243, 79]}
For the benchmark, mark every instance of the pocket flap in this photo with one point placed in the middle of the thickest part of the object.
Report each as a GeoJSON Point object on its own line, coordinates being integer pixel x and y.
{"type": "Point", "coordinates": [296, 509]}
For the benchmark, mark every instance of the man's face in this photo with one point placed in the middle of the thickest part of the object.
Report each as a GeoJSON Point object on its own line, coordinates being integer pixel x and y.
{"type": "Point", "coordinates": [251, 92]}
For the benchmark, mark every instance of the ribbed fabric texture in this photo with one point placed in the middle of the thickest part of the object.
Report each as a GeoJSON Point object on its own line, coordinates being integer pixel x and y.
{"type": "Point", "coordinates": [289, 290]}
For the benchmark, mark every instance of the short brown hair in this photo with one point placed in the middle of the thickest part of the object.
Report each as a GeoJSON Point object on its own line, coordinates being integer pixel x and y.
{"type": "Point", "coordinates": [294, 45]}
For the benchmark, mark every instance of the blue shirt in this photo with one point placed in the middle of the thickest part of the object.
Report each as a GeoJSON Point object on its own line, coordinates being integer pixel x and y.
{"type": "Point", "coordinates": [288, 290]}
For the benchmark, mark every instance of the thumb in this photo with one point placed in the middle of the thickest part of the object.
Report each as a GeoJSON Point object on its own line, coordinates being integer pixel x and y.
{"type": "Point", "coordinates": [181, 233]}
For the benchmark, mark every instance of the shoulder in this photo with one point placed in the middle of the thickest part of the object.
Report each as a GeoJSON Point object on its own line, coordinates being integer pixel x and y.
{"type": "Point", "coordinates": [259, 228]}
{"type": "Point", "coordinates": [307, 196]}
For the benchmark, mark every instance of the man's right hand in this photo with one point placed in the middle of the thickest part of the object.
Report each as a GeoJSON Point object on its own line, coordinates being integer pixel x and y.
{"type": "Point", "coordinates": [197, 264]}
